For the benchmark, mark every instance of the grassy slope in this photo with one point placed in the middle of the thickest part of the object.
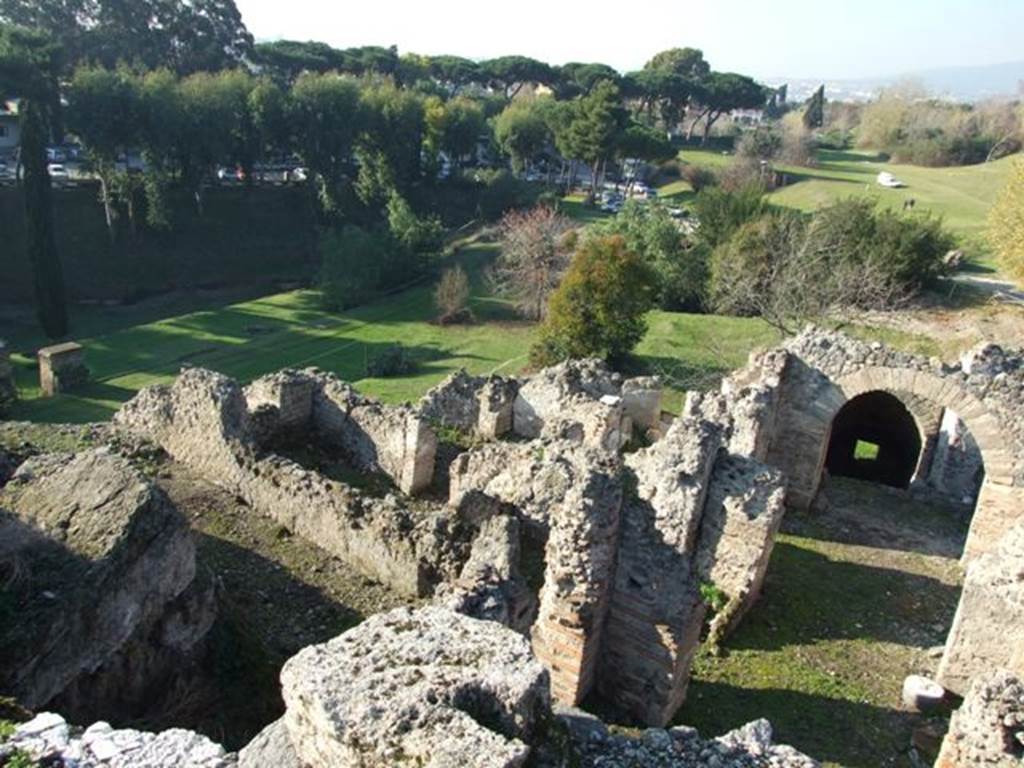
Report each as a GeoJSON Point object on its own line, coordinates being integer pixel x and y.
{"type": "Point", "coordinates": [962, 196]}
{"type": "Point", "coordinates": [248, 339]}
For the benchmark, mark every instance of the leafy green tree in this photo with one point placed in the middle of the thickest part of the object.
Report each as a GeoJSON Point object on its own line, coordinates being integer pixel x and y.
{"type": "Point", "coordinates": [521, 132]}
{"type": "Point", "coordinates": [420, 237]}
{"type": "Point", "coordinates": [457, 126]}
{"type": "Point", "coordinates": [192, 36]}
{"type": "Point", "coordinates": [162, 120]}
{"type": "Point", "coordinates": [326, 117]}
{"type": "Point", "coordinates": [352, 263]}
{"type": "Point", "coordinates": [454, 72]}
{"type": "Point", "coordinates": [681, 268]}
{"type": "Point", "coordinates": [394, 132]}
{"type": "Point", "coordinates": [645, 143]}
{"type": "Point", "coordinates": [104, 112]}
{"type": "Point", "coordinates": [814, 112]}
{"type": "Point", "coordinates": [686, 62]}
{"type": "Point", "coordinates": [719, 213]}
{"type": "Point", "coordinates": [29, 65]}
{"type": "Point", "coordinates": [1006, 224]}
{"type": "Point", "coordinates": [593, 132]}
{"type": "Point", "coordinates": [285, 60]}
{"type": "Point", "coordinates": [577, 79]}
{"type": "Point", "coordinates": [599, 309]}
{"type": "Point", "coordinates": [510, 73]}
{"type": "Point", "coordinates": [722, 92]}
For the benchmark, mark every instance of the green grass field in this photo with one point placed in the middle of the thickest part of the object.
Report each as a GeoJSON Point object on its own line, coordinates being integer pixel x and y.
{"type": "Point", "coordinates": [251, 338]}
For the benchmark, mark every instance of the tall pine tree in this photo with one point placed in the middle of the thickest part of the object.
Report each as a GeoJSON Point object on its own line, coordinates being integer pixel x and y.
{"type": "Point", "coordinates": [814, 113]}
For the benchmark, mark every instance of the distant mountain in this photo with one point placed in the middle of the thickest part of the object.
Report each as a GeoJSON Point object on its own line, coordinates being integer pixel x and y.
{"type": "Point", "coordinates": [973, 83]}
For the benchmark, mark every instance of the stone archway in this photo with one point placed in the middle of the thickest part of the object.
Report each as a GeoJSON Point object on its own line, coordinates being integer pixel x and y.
{"type": "Point", "coordinates": [875, 437]}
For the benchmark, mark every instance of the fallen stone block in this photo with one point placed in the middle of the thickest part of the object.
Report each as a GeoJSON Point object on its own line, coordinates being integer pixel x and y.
{"type": "Point", "coordinates": [430, 687]}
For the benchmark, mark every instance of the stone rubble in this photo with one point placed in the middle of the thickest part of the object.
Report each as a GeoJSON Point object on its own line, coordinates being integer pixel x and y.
{"type": "Point", "coordinates": [988, 729]}
{"type": "Point", "coordinates": [101, 746]}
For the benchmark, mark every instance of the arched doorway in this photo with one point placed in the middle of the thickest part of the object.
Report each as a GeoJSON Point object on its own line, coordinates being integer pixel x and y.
{"type": "Point", "coordinates": [874, 437]}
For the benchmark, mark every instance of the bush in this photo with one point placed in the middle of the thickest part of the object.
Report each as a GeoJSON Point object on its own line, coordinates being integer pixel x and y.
{"type": "Point", "coordinates": [452, 296]}
{"type": "Point", "coordinates": [351, 270]}
{"type": "Point", "coordinates": [721, 212]}
{"type": "Point", "coordinates": [503, 192]}
{"type": "Point", "coordinates": [681, 269]}
{"type": "Point", "coordinates": [600, 307]}
{"type": "Point", "coordinates": [1006, 224]}
{"type": "Point", "coordinates": [422, 237]}
{"type": "Point", "coordinates": [393, 361]}
{"type": "Point", "coordinates": [699, 177]}
{"type": "Point", "coordinates": [762, 143]}
{"type": "Point", "coordinates": [743, 173]}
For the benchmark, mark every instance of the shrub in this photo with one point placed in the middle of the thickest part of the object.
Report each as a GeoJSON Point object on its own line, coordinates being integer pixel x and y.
{"type": "Point", "coordinates": [352, 260]}
{"type": "Point", "coordinates": [699, 177]}
{"type": "Point", "coordinates": [422, 237]}
{"type": "Point", "coordinates": [1006, 224]}
{"type": "Point", "coordinates": [680, 268]}
{"type": "Point", "coordinates": [393, 361]}
{"type": "Point", "coordinates": [452, 296]}
{"type": "Point", "coordinates": [762, 143]}
{"type": "Point", "coordinates": [720, 212]}
{"type": "Point", "coordinates": [743, 173]}
{"type": "Point", "coordinates": [599, 308]}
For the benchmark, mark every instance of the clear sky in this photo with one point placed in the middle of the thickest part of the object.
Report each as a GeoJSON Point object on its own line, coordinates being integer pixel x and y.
{"type": "Point", "coordinates": [764, 38]}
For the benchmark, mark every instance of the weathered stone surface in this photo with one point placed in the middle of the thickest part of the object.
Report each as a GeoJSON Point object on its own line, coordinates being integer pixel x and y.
{"type": "Point", "coordinates": [578, 400]}
{"type": "Point", "coordinates": [748, 747]}
{"type": "Point", "coordinates": [656, 612]}
{"type": "Point", "coordinates": [113, 599]}
{"type": "Point", "coordinates": [202, 420]}
{"type": "Point", "coordinates": [100, 746]}
{"type": "Point", "coordinates": [744, 510]}
{"type": "Point", "coordinates": [986, 629]}
{"type": "Point", "coordinates": [375, 437]}
{"type": "Point", "coordinates": [579, 567]}
{"type": "Point", "coordinates": [988, 729]}
{"type": "Point", "coordinates": [534, 478]}
{"type": "Point", "coordinates": [272, 748]}
{"type": "Point", "coordinates": [416, 686]}
{"type": "Point", "coordinates": [480, 405]}
{"type": "Point", "coordinates": [61, 368]}
{"type": "Point", "coordinates": [641, 401]}
{"type": "Point", "coordinates": [490, 585]}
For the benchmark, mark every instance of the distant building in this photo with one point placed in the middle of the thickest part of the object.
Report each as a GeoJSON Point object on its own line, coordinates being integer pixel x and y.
{"type": "Point", "coordinates": [10, 130]}
{"type": "Point", "coordinates": [747, 116]}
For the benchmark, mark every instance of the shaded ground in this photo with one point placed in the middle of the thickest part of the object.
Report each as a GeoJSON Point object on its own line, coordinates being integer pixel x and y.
{"type": "Point", "coordinates": [855, 599]}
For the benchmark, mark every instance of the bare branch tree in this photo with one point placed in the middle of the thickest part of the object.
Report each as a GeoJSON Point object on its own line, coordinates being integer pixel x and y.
{"type": "Point", "coordinates": [536, 247]}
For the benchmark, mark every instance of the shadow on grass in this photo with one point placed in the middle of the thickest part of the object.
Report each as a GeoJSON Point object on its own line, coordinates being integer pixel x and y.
{"type": "Point", "coordinates": [847, 733]}
{"type": "Point", "coordinates": [810, 596]}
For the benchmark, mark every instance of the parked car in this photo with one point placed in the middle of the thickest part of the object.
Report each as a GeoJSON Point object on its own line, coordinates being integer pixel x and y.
{"type": "Point", "coordinates": [59, 175]}
{"type": "Point", "coordinates": [298, 174]}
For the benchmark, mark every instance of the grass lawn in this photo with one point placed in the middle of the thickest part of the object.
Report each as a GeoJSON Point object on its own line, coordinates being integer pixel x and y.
{"type": "Point", "coordinates": [961, 195]}
{"type": "Point", "coordinates": [250, 338]}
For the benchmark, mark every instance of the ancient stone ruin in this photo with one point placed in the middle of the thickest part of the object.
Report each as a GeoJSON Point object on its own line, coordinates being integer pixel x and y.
{"type": "Point", "coordinates": [61, 368]}
{"type": "Point", "coordinates": [107, 596]}
{"type": "Point", "coordinates": [587, 522]}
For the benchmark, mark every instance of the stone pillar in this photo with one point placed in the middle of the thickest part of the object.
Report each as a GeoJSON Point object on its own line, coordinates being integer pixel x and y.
{"type": "Point", "coordinates": [579, 567]}
{"type": "Point", "coordinates": [656, 611]}
{"type": "Point", "coordinates": [61, 368]}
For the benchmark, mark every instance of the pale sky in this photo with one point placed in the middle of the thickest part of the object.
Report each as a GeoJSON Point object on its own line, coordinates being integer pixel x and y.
{"type": "Point", "coordinates": [764, 38]}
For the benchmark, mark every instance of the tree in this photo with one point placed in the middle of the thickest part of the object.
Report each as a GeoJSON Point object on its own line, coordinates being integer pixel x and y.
{"type": "Point", "coordinates": [722, 92]}
{"type": "Point", "coordinates": [29, 64]}
{"type": "Point", "coordinates": [326, 117]}
{"type": "Point", "coordinates": [461, 125]}
{"type": "Point", "coordinates": [421, 238]}
{"type": "Point", "coordinates": [535, 251]}
{"type": "Point", "coordinates": [452, 296]}
{"type": "Point", "coordinates": [599, 309]}
{"type": "Point", "coordinates": [1006, 224]}
{"type": "Point", "coordinates": [681, 270]}
{"type": "Point", "coordinates": [521, 132]}
{"type": "Point", "coordinates": [577, 79]}
{"type": "Point", "coordinates": [510, 73]}
{"type": "Point", "coordinates": [814, 112]}
{"type": "Point", "coordinates": [594, 129]}
{"type": "Point", "coordinates": [393, 136]}
{"type": "Point", "coordinates": [192, 36]}
{"type": "Point", "coordinates": [686, 62]}
{"type": "Point", "coordinates": [720, 213]}
{"type": "Point", "coordinates": [454, 72]}
{"type": "Point", "coordinates": [644, 143]}
{"type": "Point", "coordinates": [104, 112]}
{"type": "Point", "coordinates": [285, 60]}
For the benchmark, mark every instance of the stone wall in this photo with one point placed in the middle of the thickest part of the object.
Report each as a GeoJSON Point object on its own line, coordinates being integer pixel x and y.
{"type": "Point", "coordinates": [203, 421]}
{"type": "Point", "coordinates": [114, 602]}
{"type": "Point", "coordinates": [986, 631]}
{"type": "Point", "coordinates": [988, 729]}
{"type": "Point", "coordinates": [476, 405]}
